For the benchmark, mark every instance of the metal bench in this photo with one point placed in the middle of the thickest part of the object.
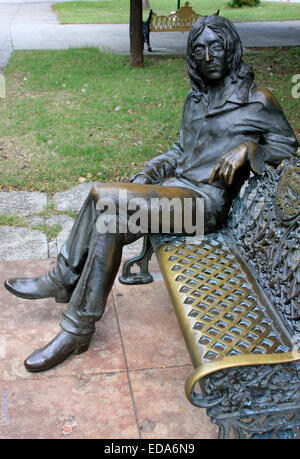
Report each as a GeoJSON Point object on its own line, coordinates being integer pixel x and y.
{"type": "Point", "coordinates": [181, 20]}
{"type": "Point", "coordinates": [236, 296]}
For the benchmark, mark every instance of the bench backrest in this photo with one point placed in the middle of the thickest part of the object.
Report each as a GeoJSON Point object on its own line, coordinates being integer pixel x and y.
{"type": "Point", "coordinates": [180, 21]}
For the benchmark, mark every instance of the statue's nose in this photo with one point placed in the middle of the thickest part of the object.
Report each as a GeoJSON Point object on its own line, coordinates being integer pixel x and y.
{"type": "Point", "coordinates": [208, 56]}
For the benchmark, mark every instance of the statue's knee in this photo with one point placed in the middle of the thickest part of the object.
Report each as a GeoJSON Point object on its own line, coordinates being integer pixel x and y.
{"type": "Point", "coordinates": [95, 192]}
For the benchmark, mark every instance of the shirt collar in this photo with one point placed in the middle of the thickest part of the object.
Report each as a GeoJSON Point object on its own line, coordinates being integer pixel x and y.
{"type": "Point", "coordinates": [242, 87]}
{"type": "Point", "coordinates": [231, 91]}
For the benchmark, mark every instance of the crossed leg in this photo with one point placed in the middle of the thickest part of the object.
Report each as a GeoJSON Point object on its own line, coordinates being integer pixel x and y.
{"type": "Point", "coordinates": [88, 264]}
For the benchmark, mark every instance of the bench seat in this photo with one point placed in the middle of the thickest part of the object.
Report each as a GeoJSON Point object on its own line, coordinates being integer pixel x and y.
{"type": "Point", "coordinates": [225, 317]}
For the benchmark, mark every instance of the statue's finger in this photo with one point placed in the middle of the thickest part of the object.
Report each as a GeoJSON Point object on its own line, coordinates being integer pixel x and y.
{"type": "Point", "coordinates": [213, 174]}
{"type": "Point", "coordinates": [224, 170]}
{"type": "Point", "coordinates": [231, 176]}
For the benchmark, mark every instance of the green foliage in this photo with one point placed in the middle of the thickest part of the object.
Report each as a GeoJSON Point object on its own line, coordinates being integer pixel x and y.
{"type": "Point", "coordinates": [12, 220]}
{"type": "Point", "coordinates": [51, 232]}
{"type": "Point", "coordinates": [117, 12]}
{"type": "Point", "coordinates": [241, 3]}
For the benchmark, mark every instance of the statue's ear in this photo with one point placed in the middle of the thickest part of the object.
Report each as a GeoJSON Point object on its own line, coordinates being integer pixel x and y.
{"type": "Point", "coordinates": [217, 13]}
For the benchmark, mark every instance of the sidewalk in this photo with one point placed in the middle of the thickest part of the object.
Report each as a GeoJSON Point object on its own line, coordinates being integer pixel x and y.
{"type": "Point", "coordinates": [35, 26]}
{"type": "Point", "coordinates": [129, 384]}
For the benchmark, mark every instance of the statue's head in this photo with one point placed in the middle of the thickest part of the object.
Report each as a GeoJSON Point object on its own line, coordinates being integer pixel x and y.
{"type": "Point", "coordinates": [214, 50]}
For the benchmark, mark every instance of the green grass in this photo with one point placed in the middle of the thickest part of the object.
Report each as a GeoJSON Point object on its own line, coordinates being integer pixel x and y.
{"type": "Point", "coordinates": [49, 210]}
{"type": "Point", "coordinates": [12, 220]}
{"type": "Point", "coordinates": [116, 11]}
{"type": "Point", "coordinates": [51, 232]}
{"type": "Point", "coordinates": [80, 114]}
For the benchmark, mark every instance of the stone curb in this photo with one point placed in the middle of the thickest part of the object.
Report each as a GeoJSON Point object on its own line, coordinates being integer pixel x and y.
{"type": "Point", "coordinates": [22, 241]}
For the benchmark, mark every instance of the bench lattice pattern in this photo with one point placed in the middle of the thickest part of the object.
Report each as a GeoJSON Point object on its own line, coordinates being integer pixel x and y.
{"type": "Point", "coordinates": [226, 317]}
{"type": "Point", "coordinates": [180, 21]}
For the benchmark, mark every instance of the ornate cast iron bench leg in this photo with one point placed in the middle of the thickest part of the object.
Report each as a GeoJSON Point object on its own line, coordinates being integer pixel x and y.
{"type": "Point", "coordinates": [142, 260]}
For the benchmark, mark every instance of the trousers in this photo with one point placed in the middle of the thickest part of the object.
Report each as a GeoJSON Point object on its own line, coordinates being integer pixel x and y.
{"type": "Point", "coordinates": [89, 260]}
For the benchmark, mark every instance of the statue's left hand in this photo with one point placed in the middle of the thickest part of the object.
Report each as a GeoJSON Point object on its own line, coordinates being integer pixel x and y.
{"type": "Point", "coordinates": [142, 179]}
{"type": "Point", "coordinates": [229, 163]}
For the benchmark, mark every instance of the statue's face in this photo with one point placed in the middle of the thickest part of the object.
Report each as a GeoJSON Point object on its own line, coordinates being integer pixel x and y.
{"type": "Point", "coordinates": [210, 55]}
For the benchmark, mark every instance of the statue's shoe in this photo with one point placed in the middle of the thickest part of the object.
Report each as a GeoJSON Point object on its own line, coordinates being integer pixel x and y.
{"type": "Point", "coordinates": [36, 288]}
{"type": "Point", "coordinates": [57, 351]}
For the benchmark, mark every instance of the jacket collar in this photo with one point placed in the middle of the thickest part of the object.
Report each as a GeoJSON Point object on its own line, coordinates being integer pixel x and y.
{"type": "Point", "coordinates": [231, 91]}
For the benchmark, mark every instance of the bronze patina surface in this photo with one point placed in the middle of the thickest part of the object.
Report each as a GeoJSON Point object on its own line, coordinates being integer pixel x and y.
{"type": "Point", "coordinates": [229, 128]}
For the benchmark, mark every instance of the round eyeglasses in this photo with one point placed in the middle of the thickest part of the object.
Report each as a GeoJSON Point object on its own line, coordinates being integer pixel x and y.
{"type": "Point", "coordinates": [213, 50]}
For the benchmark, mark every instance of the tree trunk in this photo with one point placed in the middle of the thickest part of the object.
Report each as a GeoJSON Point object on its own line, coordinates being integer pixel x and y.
{"type": "Point", "coordinates": [146, 5]}
{"type": "Point", "coordinates": [136, 33]}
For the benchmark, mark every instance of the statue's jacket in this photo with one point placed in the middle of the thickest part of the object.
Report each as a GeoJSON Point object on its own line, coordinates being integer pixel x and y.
{"type": "Point", "coordinates": [214, 122]}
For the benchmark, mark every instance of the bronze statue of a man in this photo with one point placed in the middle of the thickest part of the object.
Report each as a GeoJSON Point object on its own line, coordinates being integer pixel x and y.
{"type": "Point", "coordinates": [229, 127]}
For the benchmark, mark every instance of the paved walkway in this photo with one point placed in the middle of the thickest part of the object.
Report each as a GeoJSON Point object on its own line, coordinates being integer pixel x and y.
{"type": "Point", "coordinates": [26, 242]}
{"type": "Point", "coordinates": [130, 383]}
{"type": "Point", "coordinates": [35, 26]}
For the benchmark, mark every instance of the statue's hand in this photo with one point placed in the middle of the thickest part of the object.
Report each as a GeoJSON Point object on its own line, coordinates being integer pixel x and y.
{"type": "Point", "coordinates": [229, 163]}
{"type": "Point", "coordinates": [142, 179]}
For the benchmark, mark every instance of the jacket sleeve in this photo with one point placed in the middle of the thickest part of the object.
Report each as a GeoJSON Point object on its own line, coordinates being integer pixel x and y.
{"type": "Point", "coordinates": [277, 139]}
{"type": "Point", "coordinates": [164, 165]}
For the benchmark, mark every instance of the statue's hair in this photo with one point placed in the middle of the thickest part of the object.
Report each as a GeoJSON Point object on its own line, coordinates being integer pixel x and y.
{"type": "Point", "coordinates": [226, 31]}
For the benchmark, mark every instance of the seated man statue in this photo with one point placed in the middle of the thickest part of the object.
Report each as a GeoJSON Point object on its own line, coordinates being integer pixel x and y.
{"type": "Point", "coordinates": [229, 127]}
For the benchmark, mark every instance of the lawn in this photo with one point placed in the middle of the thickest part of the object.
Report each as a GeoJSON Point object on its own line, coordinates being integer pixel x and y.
{"type": "Point", "coordinates": [116, 11]}
{"type": "Point", "coordinates": [79, 114]}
